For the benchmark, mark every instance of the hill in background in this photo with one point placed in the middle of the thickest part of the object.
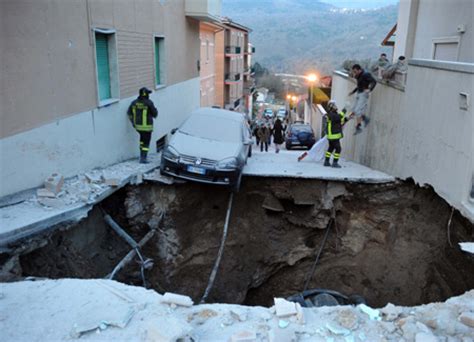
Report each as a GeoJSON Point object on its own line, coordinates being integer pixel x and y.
{"type": "Point", "coordinates": [296, 36]}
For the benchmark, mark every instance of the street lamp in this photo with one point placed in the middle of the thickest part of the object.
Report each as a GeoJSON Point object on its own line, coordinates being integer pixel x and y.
{"type": "Point", "coordinates": [312, 78]}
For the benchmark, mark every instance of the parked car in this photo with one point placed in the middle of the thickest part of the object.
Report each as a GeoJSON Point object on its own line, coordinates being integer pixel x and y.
{"type": "Point", "coordinates": [268, 113]}
{"type": "Point", "coordinates": [299, 135]}
{"type": "Point", "coordinates": [211, 146]}
{"type": "Point", "coordinates": [281, 113]}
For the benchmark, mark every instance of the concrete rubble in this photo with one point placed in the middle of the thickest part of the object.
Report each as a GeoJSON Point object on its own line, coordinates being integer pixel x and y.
{"type": "Point", "coordinates": [64, 199]}
{"type": "Point", "coordinates": [108, 310]}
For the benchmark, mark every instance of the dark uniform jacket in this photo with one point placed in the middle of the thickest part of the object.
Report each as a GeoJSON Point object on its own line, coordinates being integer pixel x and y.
{"type": "Point", "coordinates": [141, 113]}
{"type": "Point", "coordinates": [335, 121]}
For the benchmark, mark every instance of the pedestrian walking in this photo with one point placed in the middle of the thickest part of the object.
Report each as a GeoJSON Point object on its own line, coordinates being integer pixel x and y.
{"type": "Point", "coordinates": [264, 135]}
{"type": "Point", "coordinates": [278, 135]}
{"type": "Point", "coordinates": [141, 113]}
{"type": "Point", "coordinates": [255, 133]}
{"type": "Point", "coordinates": [365, 84]}
{"type": "Point", "coordinates": [335, 122]}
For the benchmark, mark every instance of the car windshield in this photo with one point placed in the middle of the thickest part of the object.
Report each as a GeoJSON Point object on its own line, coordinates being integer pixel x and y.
{"type": "Point", "coordinates": [301, 128]}
{"type": "Point", "coordinates": [213, 128]}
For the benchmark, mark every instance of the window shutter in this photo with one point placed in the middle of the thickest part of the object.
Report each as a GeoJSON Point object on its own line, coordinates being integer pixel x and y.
{"type": "Point", "coordinates": [103, 70]}
{"type": "Point", "coordinates": [157, 61]}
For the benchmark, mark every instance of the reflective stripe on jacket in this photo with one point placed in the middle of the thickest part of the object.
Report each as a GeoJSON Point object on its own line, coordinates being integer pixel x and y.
{"type": "Point", "coordinates": [334, 125]}
{"type": "Point", "coordinates": [141, 113]}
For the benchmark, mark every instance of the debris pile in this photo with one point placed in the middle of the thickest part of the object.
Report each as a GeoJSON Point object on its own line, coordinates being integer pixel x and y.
{"type": "Point", "coordinates": [107, 310]}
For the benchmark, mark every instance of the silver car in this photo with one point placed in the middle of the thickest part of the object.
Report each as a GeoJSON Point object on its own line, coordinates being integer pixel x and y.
{"type": "Point", "coordinates": [211, 146]}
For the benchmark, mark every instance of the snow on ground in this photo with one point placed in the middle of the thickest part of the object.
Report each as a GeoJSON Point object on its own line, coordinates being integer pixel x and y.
{"type": "Point", "coordinates": [68, 309]}
{"type": "Point", "coordinates": [285, 164]}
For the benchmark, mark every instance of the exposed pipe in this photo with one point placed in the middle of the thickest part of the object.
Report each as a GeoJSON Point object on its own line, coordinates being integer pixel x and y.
{"type": "Point", "coordinates": [313, 268]}
{"type": "Point", "coordinates": [221, 251]}
{"type": "Point", "coordinates": [130, 255]}
{"type": "Point", "coordinates": [110, 221]}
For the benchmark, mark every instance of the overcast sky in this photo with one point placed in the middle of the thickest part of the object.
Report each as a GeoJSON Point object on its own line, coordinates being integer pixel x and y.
{"type": "Point", "coordinates": [361, 3]}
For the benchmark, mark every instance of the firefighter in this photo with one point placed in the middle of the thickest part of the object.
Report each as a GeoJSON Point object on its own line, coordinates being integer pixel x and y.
{"type": "Point", "coordinates": [335, 121]}
{"type": "Point", "coordinates": [141, 113]}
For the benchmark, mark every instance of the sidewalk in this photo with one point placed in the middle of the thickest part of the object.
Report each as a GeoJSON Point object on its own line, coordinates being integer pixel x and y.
{"type": "Point", "coordinates": [77, 197]}
{"type": "Point", "coordinates": [285, 164]}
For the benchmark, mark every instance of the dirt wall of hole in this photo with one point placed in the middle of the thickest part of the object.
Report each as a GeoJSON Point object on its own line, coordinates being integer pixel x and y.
{"type": "Point", "coordinates": [390, 244]}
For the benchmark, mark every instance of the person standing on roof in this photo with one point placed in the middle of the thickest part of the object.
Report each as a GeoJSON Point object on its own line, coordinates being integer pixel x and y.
{"type": "Point", "coordinates": [335, 122]}
{"type": "Point", "coordinates": [365, 84]}
{"type": "Point", "coordinates": [141, 113]}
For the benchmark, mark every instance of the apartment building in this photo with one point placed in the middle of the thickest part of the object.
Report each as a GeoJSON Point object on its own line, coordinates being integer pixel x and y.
{"type": "Point", "coordinates": [231, 65]}
{"type": "Point", "coordinates": [71, 68]}
{"type": "Point", "coordinates": [424, 129]}
{"type": "Point", "coordinates": [207, 73]}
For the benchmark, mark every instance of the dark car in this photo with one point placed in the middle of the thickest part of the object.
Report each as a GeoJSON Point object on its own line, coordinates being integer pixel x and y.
{"type": "Point", "coordinates": [299, 135]}
{"type": "Point", "coordinates": [211, 146]}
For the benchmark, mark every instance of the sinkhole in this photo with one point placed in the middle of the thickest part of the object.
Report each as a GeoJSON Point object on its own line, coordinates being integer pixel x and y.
{"type": "Point", "coordinates": [388, 242]}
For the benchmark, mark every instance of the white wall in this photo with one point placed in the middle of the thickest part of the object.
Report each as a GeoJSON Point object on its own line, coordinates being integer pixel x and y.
{"type": "Point", "coordinates": [420, 132]}
{"type": "Point", "coordinates": [88, 140]}
{"type": "Point", "coordinates": [440, 18]}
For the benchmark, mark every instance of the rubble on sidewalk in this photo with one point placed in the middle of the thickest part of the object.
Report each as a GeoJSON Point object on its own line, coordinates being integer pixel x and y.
{"type": "Point", "coordinates": [107, 310]}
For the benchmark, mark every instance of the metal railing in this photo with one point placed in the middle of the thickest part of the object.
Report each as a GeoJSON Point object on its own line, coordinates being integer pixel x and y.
{"type": "Point", "coordinates": [230, 49]}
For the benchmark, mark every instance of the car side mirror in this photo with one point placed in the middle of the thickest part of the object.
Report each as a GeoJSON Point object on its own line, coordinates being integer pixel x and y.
{"type": "Point", "coordinates": [173, 131]}
{"type": "Point", "coordinates": [248, 142]}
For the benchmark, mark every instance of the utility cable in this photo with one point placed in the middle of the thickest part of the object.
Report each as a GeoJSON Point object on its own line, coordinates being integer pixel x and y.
{"type": "Point", "coordinates": [313, 268]}
{"type": "Point", "coordinates": [221, 251]}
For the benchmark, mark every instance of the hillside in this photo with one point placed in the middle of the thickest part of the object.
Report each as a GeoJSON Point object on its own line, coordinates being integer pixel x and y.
{"type": "Point", "coordinates": [300, 35]}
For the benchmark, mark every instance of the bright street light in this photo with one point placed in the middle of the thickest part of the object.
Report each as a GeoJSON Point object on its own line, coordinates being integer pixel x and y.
{"type": "Point", "coordinates": [294, 98]}
{"type": "Point", "coordinates": [312, 78]}
{"type": "Point", "coordinates": [288, 97]}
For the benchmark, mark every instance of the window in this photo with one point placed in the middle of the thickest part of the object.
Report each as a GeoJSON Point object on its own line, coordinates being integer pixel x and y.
{"type": "Point", "coordinates": [446, 49]}
{"type": "Point", "coordinates": [159, 61]}
{"type": "Point", "coordinates": [107, 68]}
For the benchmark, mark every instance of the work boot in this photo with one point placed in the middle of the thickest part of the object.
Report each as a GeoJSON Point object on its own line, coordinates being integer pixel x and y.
{"type": "Point", "coordinates": [366, 120]}
{"type": "Point", "coordinates": [335, 164]}
{"type": "Point", "coordinates": [143, 159]}
{"type": "Point", "coordinates": [326, 162]}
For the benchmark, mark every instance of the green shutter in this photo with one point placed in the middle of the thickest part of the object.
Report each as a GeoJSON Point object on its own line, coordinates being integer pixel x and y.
{"type": "Point", "coordinates": [157, 60]}
{"type": "Point", "coordinates": [103, 70]}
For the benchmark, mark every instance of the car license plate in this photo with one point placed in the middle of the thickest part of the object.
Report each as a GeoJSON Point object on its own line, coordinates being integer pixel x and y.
{"type": "Point", "coordinates": [197, 170]}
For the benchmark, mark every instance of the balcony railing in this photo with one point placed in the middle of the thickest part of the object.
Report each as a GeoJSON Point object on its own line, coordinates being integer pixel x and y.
{"type": "Point", "coordinates": [233, 50]}
{"type": "Point", "coordinates": [232, 77]}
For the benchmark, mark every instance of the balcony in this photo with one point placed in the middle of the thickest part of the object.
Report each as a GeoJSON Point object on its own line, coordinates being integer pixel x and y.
{"type": "Point", "coordinates": [232, 50]}
{"type": "Point", "coordinates": [249, 51]}
{"type": "Point", "coordinates": [203, 10]}
{"type": "Point", "coordinates": [232, 78]}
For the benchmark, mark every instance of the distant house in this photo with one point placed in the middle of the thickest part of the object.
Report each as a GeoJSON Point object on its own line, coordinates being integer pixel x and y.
{"type": "Point", "coordinates": [73, 67]}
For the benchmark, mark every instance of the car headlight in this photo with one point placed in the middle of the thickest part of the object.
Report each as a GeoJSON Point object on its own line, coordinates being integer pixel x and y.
{"type": "Point", "coordinates": [228, 163]}
{"type": "Point", "coordinates": [171, 154]}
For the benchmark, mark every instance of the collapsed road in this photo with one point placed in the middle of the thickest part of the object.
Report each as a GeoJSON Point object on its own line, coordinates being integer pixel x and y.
{"type": "Point", "coordinates": [389, 242]}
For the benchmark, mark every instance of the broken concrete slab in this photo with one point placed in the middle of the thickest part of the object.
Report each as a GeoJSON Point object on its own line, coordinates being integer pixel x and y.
{"type": "Point", "coordinates": [284, 308]}
{"type": "Point", "coordinates": [54, 183]}
{"type": "Point", "coordinates": [43, 192]}
{"type": "Point", "coordinates": [177, 299]}
{"type": "Point", "coordinates": [244, 336]}
{"type": "Point", "coordinates": [93, 177]}
{"type": "Point", "coordinates": [467, 247]}
{"type": "Point", "coordinates": [272, 203]}
{"type": "Point", "coordinates": [51, 202]}
{"type": "Point", "coordinates": [467, 318]}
